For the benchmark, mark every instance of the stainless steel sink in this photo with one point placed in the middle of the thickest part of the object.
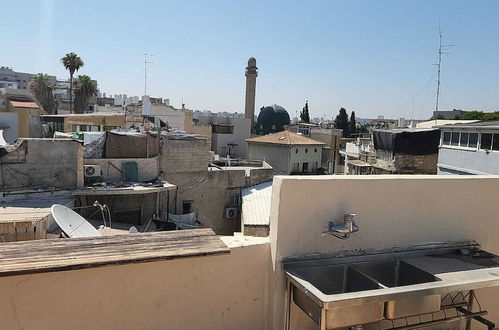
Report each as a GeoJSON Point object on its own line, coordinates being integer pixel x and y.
{"type": "Point", "coordinates": [396, 273]}
{"type": "Point", "coordinates": [336, 279]}
{"type": "Point", "coordinates": [392, 273]}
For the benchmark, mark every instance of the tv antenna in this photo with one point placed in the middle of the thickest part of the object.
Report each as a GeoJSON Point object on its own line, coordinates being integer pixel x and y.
{"type": "Point", "coordinates": [146, 62]}
{"type": "Point", "coordinates": [440, 52]}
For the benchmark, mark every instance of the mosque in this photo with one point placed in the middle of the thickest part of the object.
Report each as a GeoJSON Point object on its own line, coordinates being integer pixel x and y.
{"type": "Point", "coordinates": [271, 119]}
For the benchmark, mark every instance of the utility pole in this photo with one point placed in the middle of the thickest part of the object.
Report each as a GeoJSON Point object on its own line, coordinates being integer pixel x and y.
{"type": "Point", "coordinates": [146, 62]}
{"type": "Point", "coordinates": [440, 52]}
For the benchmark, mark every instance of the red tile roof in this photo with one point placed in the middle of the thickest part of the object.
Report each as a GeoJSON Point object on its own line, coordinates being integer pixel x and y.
{"type": "Point", "coordinates": [284, 138]}
{"type": "Point", "coordinates": [24, 104]}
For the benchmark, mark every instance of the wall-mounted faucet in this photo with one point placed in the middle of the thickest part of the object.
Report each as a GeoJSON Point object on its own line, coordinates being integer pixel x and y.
{"type": "Point", "coordinates": [344, 230]}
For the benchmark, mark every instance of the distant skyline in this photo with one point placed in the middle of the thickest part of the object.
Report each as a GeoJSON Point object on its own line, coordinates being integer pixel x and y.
{"type": "Point", "coordinates": [373, 57]}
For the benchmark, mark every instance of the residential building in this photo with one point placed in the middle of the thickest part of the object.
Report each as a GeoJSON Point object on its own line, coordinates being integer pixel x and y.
{"type": "Point", "coordinates": [287, 152]}
{"type": "Point", "coordinates": [358, 155]}
{"type": "Point", "coordinates": [406, 151]}
{"type": "Point", "coordinates": [331, 137]}
{"type": "Point", "coordinates": [27, 115]}
{"type": "Point", "coordinates": [228, 134]}
{"type": "Point", "coordinates": [210, 190]}
{"type": "Point", "coordinates": [469, 148]}
{"type": "Point", "coordinates": [17, 80]}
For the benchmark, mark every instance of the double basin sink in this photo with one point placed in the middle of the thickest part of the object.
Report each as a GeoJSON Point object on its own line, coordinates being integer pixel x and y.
{"type": "Point", "coordinates": [363, 276]}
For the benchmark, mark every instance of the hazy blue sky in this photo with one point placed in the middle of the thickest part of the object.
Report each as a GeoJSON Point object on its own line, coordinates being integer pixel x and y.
{"type": "Point", "coordinates": [374, 57]}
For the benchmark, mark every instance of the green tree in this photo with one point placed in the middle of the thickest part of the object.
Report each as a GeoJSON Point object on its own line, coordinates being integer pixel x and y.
{"type": "Point", "coordinates": [40, 87]}
{"type": "Point", "coordinates": [352, 124]}
{"type": "Point", "coordinates": [304, 114]}
{"type": "Point", "coordinates": [85, 90]}
{"type": "Point", "coordinates": [341, 122]}
{"type": "Point", "coordinates": [72, 63]}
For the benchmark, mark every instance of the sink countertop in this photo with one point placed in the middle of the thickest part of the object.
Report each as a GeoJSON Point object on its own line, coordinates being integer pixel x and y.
{"type": "Point", "coordinates": [456, 273]}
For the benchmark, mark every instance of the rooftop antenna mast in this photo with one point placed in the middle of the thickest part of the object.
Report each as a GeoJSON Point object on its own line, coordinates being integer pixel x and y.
{"type": "Point", "coordinates": [440, 52]}
{"type": "Point", "coordinates": [146, 62]}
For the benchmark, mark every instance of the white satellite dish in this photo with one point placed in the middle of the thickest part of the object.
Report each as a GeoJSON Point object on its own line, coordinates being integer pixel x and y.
{"type": "Point", "coordinates": [133, 230]}
{"type": "Point", "coordinates": [71, 223]}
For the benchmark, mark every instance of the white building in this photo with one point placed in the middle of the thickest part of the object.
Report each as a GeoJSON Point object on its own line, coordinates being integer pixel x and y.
{"type": "Point", "coordinates": [17, 80]}
{"type": "Point", "coordinates": [469, 148]}
{"type": "Point", "coordinates": [287, 152]}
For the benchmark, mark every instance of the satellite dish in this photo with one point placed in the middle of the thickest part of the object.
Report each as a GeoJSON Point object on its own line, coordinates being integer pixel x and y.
{"type": "Point", "coordinates": [71, 223]}
{"type": "Point", "coordinates": [133, 230]}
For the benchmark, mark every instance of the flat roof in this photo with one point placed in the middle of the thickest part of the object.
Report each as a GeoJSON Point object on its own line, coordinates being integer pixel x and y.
{"type": "Point", "coordinates": [284, 138]}
{"type": "Point", "coordinates": [131, 190]}
{"type": "Point", "coordinates": [32, 208]}
{"type": "Point", "coordinates": [488, 124]}
{"type": "Point", "coordinates": [49, 255]}
{"type": "Point", "coordinates": [359, 163]}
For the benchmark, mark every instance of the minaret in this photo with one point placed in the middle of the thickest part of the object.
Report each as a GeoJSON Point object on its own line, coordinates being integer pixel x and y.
{"type": "Point", "coordinates": [251, 74]}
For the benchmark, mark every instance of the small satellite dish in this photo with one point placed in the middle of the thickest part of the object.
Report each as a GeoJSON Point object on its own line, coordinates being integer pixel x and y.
{"type": "Point", "coordinates": [71, 223]}
{"type": "Point", "coordinates": [133, 230]}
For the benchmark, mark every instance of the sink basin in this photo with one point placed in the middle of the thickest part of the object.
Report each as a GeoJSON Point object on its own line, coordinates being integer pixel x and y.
{"type": "Point", "coordinates": [396, 273]}
{"type": "Point", "coordinates": [335, 280]}
{"type": "Point", "coordinates": [392, 273]}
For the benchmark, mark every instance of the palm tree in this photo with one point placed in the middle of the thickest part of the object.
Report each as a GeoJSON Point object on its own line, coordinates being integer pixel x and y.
{"type": "Point", "coordinates": [85, 89]}
{"type": "Point", "coordinates": [72, 63]}
{"type": "Point", "coordinates": [40, 87]}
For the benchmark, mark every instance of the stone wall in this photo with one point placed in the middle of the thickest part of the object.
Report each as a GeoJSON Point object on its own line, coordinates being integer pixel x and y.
{"type": "Point", "coordinates": [184, 155]}
{"type": "Point", "coordinates": [43, 163]}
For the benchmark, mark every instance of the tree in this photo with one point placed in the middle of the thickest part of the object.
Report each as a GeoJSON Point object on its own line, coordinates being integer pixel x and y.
{"type": "Point", "coordinates": [72, 63]}
{"type": "Point", "coordinates": [85, 89]}
{"type": "Point", "coordinates": [304, 114]}
{"type": "Point", "coordinates": [352, 125]}
{"type": "Point", "coordinates": [40, 87]}
{"type": "Point", "coordinates": [341, 122]}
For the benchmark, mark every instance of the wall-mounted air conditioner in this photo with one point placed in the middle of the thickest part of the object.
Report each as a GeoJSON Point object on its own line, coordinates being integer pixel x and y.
{"type": "Point", "coordinates": [92, 171]}
{"type": "Point", "coordinates": [230, 212]}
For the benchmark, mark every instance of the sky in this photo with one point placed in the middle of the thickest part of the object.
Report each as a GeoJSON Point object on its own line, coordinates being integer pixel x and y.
{"type": "Point", "coordinates": [371, 57]}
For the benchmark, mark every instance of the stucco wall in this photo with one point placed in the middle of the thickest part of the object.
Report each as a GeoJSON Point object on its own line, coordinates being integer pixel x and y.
{"type": "Point", "coordinates": [216, 292]}
{"type": "Point", "coordinates": [471, 161]}
{"type": "Point", "coordinates": [394, 211]}
{"type": "Point", "coordinates": [275, 156]}
{"type": "Point", "coordinates": [43, 163]}
{"type": "Point", "coordinates": [311, 156]}
{"type": "Point", "coordinates": [184, 155]}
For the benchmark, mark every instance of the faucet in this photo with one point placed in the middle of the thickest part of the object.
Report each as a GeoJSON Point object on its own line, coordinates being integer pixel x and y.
{"type": "Point", "coordinates": [344, 230]}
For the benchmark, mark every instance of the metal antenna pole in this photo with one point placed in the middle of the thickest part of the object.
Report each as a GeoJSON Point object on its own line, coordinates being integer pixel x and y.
{"type": "Point", "coordinates": [440, 52]}
{"type": "Point", "coordinates": [439, 63]}
{"type": "Point", "coordinates": [145, 70]}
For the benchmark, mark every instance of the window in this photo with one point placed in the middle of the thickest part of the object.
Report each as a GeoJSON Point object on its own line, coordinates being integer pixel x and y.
{"type": "Point", "coordinates": [315, 150]}
{"type": "Point", "coordinates": [454, 139]}
{"type": "Point", "coordinates": [446, 139]}
{"type": "Point", "coordinates": [305, 167]}
{"type": "Point", "coordinates": [296, 151]}
{"type": "Point", "coordinates": [463, 141]}
{"type": "Point", "coordinates": [495, 142]}
{"type": "Point", "coordinates": [486, 141]}
{"type": "Point", "coordinates": [234, 200]}
{"type": "Point", "coordinates": [473, 140]}
{"type": "Point", "coordinates": [186, 207]}
{"type": "Point", "coordinates": [306, 150]}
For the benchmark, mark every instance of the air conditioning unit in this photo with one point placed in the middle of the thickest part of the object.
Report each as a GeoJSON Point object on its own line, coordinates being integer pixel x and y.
{"type": "Point", "coordinates": [230, 212]}
{"type": "Point", "coordinates": [92, 171]}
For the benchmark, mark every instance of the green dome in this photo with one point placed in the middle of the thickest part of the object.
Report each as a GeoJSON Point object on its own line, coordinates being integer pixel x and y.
{"type": "Point", "coordinates": [272, 119]}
